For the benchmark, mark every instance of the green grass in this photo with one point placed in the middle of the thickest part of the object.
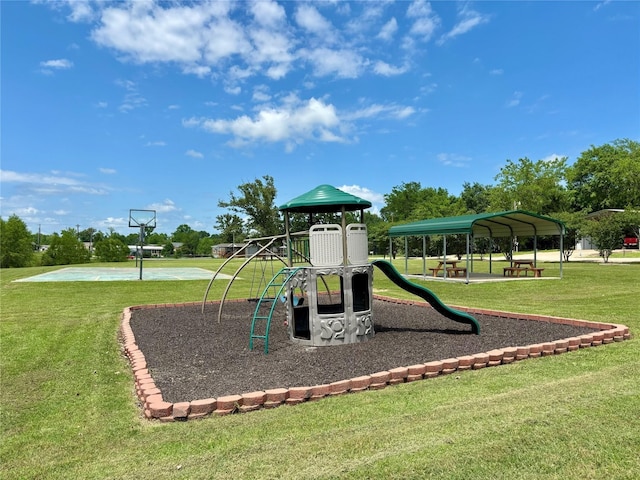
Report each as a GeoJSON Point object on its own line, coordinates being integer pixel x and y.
{"type": "Point", "coordinates": [68, 408]}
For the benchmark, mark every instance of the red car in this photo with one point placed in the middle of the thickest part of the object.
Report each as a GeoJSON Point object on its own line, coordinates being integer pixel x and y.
{"type": "Point", "coordinates": [630, 242]}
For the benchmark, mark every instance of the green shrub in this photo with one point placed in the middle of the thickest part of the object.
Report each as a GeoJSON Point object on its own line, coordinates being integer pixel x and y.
{"type": "Point", "coordinates": [112, 250]}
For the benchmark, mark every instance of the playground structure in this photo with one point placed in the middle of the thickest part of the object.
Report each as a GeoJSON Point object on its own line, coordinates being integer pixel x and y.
{"type": "Point", "coordinates": [326, 279]}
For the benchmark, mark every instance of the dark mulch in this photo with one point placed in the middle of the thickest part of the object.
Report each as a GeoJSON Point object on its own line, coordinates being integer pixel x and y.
{"type": "Point", "coordinates": [192, 356]}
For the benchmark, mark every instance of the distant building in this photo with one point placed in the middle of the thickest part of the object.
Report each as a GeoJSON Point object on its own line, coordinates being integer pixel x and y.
{"type": "Point", "coordinates": [585, 243]}
{"type": "Point", "coordinates": [149, 250]}
{"type": "Point", "coordinates": [225, 250]}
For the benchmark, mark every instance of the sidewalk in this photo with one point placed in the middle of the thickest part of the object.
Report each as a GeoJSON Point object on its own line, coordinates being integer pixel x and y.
{"type": "Point", "coordinates": [581, 256]}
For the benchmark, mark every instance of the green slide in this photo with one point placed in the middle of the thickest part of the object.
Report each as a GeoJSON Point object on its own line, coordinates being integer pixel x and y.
{"type": "Point", "coordinates": [426, 294]}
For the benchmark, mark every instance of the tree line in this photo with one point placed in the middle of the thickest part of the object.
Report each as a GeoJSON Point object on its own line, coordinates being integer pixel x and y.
{"type": "Point", "coordinates": [602, 178]}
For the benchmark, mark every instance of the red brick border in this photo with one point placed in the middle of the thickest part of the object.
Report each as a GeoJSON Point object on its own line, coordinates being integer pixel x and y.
{"type": "Point", "coordinates": [154, 407]}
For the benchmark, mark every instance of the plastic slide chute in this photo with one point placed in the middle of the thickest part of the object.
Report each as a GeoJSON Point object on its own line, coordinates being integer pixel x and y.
{"type": "Point", "coordinates": [456, 315]}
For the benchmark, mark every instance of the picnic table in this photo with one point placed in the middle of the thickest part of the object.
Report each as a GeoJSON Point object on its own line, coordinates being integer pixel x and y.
{"type": "Point", "coordinates": [452, 269]}
{"type": "Point", "coordinates": [522, 266]}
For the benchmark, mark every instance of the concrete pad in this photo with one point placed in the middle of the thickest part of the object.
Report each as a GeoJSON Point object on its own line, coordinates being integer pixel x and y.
{"type": "Point", "coordinates": [114, 274]}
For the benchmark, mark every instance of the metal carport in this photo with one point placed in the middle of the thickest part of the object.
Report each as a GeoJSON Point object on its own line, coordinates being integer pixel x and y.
{"type": "Point", "coordinates": [511, 224]}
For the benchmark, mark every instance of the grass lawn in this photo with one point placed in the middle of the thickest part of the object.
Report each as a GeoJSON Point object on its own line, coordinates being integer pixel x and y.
{"type": "Point", "coordinates": [68, 408]}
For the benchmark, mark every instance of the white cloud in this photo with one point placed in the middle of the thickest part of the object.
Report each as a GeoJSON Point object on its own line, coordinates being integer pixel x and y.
{"type": "Point", "coordinates": [268, 13]}
{"type": "Point", "coordinates": [515, 100]}
{"type": "Point", "coordinates": [81, 11]}
{"type": "Point", "coordinates": [453, 160]}
{"type": "Point", "coordinates": [145, 32]}
{"type": "Point", "coordinates": [341, 63]}
{"type": "Point", "coordinates": [112, 222]}
{"type": "Point", "coordinates": [386, 70]}
{"type": "Point", "coordinates": [312, 21]}
{"type": "Point", "coordinates": [108, 171]}
{"type": "Point", "coordinates": [496, 71]}
{"type": "Point", "coordinates": [293, 121]}
{"type": "Point", "coordinates": [388, 30]}
{"type": "Point", "coordinates": [132, 98]}
{"type": "Point", "coordinates": [233, 41]}
{"type": "Point", "coordinates": [59, 64]}
{"type": "Point", "coordinates": [26, 211]}
{"type": "Point", "coordinates": [553, 157]}
{"type": "Point", "coordinates": [599, 5]}
{"type": "Point", "coordinates": [50, 183]}
{"type": "Point", "coordinates": [157, 143]}
{"type": "Point", "coordinates": [363, 192]}
{"type": "Point", "coordinates": [468, 20]}
{"type": "Point", "coordinates": [271, 48]}
{"type": "Point", "coordinates": [384, 111]}
{"type": "Point", "coordinates": [164, 207]}
{"type": "Point", "coordinates": [193, 154]}
{"type": "Point", "coordinates": [260, 94]}
{"type": "Point", "coordinates": [233, 90]}
{"type": "Point", "coordinates": [425, 22]}
{"type": "Point", "coordinates": [226, 38]}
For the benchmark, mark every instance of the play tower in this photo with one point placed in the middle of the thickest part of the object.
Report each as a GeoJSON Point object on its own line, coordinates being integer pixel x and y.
{"type": "Point", "coordinates": [329, 301]}
{"type": "Point", "coordinates": [326, 283]}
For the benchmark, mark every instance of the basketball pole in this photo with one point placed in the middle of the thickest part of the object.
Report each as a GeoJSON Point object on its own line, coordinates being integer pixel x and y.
{"type": "Point", "coordinates": [141, 247]}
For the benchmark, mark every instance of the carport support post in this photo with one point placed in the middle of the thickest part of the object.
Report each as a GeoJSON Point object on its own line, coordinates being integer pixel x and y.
{"type": "Point", "coordinates": [468, 258]}
{"type": "Point", "coordinates": [561, 249]}
{"type": "Point", "coordinates": [444, 257]}
{"type": "Point", "coordinates": [406, 255]}
{"type": "Point", "coordinates": [424, 256]}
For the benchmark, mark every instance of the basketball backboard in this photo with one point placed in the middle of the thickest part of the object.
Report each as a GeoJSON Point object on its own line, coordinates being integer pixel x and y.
{"type": "Point", "coordinates": [142, 218]}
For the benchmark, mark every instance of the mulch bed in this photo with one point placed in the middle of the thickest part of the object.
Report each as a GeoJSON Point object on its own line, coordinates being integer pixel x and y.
{"type": "Point", "coordinates": [191, 356]}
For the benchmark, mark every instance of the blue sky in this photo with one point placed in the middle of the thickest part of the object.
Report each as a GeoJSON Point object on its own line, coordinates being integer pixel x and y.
{"type": "Point", "coordinates": [169, 106]}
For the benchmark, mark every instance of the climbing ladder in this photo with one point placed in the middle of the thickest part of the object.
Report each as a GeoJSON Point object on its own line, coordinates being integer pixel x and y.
{"type": "Point", "coordinates": [269, 298]}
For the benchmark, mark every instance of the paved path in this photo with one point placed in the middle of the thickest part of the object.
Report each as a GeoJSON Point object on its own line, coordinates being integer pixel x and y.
{"type": "Point", "coordinates": [580, 256]}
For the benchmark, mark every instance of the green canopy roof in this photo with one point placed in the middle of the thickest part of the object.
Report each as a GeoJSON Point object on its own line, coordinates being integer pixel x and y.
{"type": "Point", "coordinates": [499, 224]}
{"type": "Point", "coordinates": [325, 199]}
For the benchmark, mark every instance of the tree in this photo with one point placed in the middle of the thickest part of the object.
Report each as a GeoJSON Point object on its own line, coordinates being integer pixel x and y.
{"type": "Point", "coordinates": [574, 223]}
{"type": "Point", "coordinates": [167, 249]}
{"type": "Point", "coordinates": [256, 202]}
{"type": "Point", "coordinates": [112, 249]}
{"type": "Point", "coordinates": [411, 202]}
{"type": "Point", "coordinates": [378, 233]}
{"type": "Point", "coordinates": [66, 249]}
{"type": "Point", "coordinates": [401, 202]}
{"type": "Point", "coordinates": [155, 238]}
{"type": "Point", "coordinates": [534, 186]}
{"type": "Point", "coordinates": [630, 219]}
{"type": "Point", "coordinates": [476, 197]}
{"type": "Point", "coordinates": [188, 237]}
{"type": "Point", "coordinates": [607, 176]}
{"type": "Point", "coordinates": [205, 246]}
{"type": "Point", "coordinates": [606, 232]}
{"type": "Point", "coordinates": [16, 248]}
{"type": "Point", "coordinates": [437, 203]}
{"type": "Point", "coordinates": [231, 228]}
{"type": "Point", "coordinates": [87, 235]}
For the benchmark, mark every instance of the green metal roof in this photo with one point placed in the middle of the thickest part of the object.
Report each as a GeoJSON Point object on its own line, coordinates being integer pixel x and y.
{"type": "Point", "coordinates": [325, 199]}
{"type": "Point", "coordinates": [499, 224]}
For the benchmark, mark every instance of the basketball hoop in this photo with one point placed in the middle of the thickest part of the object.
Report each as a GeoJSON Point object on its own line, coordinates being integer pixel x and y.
{"type": "Point", "coordinates": [142, 219]}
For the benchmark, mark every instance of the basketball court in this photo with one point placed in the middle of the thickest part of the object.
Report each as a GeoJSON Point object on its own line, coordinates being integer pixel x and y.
{"type": "Point", "coordinates": [119, 274]}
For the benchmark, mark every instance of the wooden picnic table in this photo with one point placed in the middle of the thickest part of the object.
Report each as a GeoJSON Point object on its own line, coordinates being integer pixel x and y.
{"type": "Point", "coordinates": [522, 266]}
{"type": "Point", "coordinates": [452, 267]}
{"type": "Point", "coordinates": [520, 263]}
